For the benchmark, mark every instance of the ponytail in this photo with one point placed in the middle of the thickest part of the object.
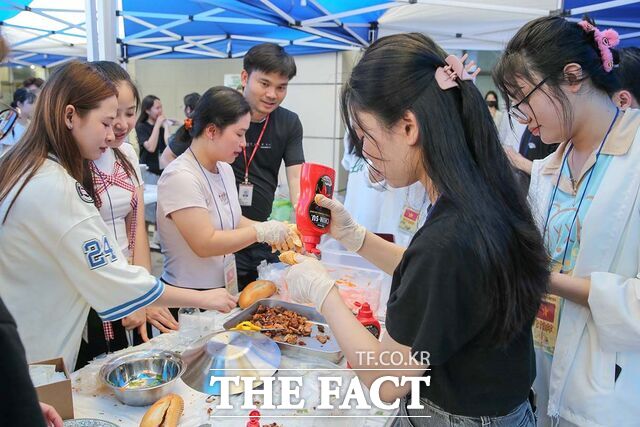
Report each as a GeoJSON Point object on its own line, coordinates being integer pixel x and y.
{"type": "Point", "coordinates": [183, 136]}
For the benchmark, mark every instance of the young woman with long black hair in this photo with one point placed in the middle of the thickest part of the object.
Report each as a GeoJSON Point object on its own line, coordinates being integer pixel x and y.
{"type": "Point", "coordinates": [152, 130]}
{"type": "Point", "coordinates": [466, 290]}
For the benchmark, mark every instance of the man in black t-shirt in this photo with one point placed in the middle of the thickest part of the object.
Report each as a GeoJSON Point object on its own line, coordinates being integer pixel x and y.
{"type": "Point", "coordinates": [275, 135]}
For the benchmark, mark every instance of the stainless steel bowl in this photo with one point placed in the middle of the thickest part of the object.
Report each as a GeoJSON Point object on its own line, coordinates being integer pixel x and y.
{"type": "Point", "coordinates": [230, 354]}
{"type": "Point", "coordinates": [140, 378]}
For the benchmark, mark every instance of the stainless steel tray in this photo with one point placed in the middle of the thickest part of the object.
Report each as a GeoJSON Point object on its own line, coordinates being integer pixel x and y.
{"type": "Point", "coordinates": [330, 351]}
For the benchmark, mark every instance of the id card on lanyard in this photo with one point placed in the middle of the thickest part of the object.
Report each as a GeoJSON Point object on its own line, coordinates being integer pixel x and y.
{"type": "Point", "coordinates": [245, 189]}
{"type": "Point", "coordinates": [410, 218]}
{"type": "Point", "coordinates": [230, 274]}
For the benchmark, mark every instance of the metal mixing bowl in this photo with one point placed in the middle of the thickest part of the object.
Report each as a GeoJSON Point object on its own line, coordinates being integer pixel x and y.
{"type": "Point", "coordinates": [140, 378]}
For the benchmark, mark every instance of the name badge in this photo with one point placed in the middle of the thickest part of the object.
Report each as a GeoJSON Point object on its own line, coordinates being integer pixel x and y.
{"type": "Point", "coordinates": [245, 194]}
{"type": "Point", "coordinates": [230, 274]}
{"type": "Point", "coordinates": [409, 220]}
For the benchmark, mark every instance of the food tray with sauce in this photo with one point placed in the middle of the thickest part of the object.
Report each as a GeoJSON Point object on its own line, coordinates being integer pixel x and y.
{"type": "Point", "coordinates": [312, 347]}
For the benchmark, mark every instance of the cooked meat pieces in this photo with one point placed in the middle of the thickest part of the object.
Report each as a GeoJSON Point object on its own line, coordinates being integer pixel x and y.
{"type": "Point", "coordinates": [290, 324]}
{"type": "Point", "coordinates": [289, 338]}
{"type": "Point", "coordinates": [322, 338]}
{"type": "Point", "coordinates": [321, 329]}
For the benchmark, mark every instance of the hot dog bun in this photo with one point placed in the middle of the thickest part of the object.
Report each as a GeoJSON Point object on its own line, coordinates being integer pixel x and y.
{"type": "Point", "coordinates": [166, 412]}
{"type": "Point", "coordinates": [288, 257]}
{"type": "Point", "coordinates": [255, 291]}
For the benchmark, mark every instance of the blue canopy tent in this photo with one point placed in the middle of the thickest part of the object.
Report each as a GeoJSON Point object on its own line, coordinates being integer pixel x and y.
{"type": "Point", "coordinates": [228, 28]}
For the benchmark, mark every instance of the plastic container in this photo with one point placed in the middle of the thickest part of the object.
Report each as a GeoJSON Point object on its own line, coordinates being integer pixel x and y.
{"type": "Point", "coordinates": [312, 220]}
{"type": "Point", "coordinates": [357, 284]}
{"type": "Point", "coordinates": [334, 253]}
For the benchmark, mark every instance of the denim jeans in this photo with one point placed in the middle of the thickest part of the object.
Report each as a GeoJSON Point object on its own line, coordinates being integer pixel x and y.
{"type": "Point", "coordinates": [521, 416]}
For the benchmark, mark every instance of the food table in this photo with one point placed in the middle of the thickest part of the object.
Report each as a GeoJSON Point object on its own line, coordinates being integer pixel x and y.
{"type": "Point", "coordinates": [92, 399]}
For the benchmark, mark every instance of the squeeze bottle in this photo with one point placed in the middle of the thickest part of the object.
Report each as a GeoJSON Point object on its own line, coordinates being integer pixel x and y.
{"type": "Point", "coordinates": [313, 220]}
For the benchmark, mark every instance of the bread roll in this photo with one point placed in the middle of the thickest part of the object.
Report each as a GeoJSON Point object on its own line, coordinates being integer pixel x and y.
{"type": "Point", "coordinates": [288, 257]}
{"type": "Point", "coordinates": [255, 291]}
{"type": "Point", "coordinates": [295, 236]}
{"type": "Point", "coordinates": [166, 412]}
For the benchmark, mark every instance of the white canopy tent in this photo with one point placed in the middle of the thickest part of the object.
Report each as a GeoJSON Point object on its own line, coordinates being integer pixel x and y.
{"type": "Point", "coordinates": [489, 24]}
{"type": "Point", "coordinates": [468, 25]}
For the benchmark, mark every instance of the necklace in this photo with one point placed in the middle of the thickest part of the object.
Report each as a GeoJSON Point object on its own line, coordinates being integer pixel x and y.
{"type": "Point", "coordinates": [574, 181]}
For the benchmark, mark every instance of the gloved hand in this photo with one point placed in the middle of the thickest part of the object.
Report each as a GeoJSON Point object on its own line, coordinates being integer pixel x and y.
{"type": "Point", "coordinates": [308, 281]}
{"type": "Point", "coordinates": [343, 228]}
{"type": "Point", "coordinates": [271, 232]}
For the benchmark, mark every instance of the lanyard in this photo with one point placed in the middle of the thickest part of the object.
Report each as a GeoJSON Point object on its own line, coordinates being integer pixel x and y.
{"type": "Point", "coordinates": [106, 190]}
{"type": "Point", "coordinates": [555, 190]}
{"type": "Point", "coordinates": [408, 200]}
{"type": "Point", "coordinates": [255, 149]}
{"type": "Point", "coordinates": [215, 202]}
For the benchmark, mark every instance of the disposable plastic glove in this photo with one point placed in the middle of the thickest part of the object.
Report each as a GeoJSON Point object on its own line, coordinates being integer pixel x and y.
{"type": "Point", "coordinates": [343, 228]}
{"type": "Point", "coordinates": [308, 281]}
{"type": "Point", "coordinates": [274, 233]}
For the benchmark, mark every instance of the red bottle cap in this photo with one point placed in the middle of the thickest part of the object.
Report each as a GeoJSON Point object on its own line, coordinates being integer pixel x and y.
{"type": "Point", "coordinates": [310, 242]}
{"type": "Point", "coordinates": [253, 423]}
{"type": "Point", "coordinates": [365, 310]}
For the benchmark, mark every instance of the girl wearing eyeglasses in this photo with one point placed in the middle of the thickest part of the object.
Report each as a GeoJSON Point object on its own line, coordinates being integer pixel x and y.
{"type": "Point", "coordinates": [558, 77]}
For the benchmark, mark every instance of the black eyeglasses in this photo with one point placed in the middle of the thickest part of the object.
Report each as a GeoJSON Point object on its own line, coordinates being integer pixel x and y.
{"type": "Point", "coordinates": [515, 110]}
{"type": "Point", "coordinates": [8, 118]}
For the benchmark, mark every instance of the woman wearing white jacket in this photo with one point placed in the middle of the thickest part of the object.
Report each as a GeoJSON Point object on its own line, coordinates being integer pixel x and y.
{"type": "Point", "coordinates": [557, 77]}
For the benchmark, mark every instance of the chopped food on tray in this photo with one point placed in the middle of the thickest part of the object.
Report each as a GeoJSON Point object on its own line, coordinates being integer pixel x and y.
{"type": "Point", "coordinates": [291, 326]}
{"type": "Point", "coordinates": [322, 338]}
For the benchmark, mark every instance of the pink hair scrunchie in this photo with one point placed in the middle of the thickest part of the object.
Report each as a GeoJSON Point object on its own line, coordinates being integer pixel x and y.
{"type": "Point", "coordinates": [606, 40]}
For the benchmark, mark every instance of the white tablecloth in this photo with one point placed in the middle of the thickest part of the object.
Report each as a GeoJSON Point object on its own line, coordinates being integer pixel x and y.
{"type": "Point", "coordinates": [93, 400]}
